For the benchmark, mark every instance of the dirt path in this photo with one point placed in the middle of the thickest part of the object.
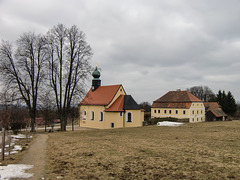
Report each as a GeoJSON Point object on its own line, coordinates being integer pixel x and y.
{"type": "Point", "coordinates": [35, 156]}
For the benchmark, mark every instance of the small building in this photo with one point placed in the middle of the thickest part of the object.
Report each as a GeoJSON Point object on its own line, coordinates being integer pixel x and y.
{"type": "Point", "coordinates": [107, 107]}
{"type": "Point", "coordinates": [214, 112]}
{"type": "Point", "coordinates": [179, 104]}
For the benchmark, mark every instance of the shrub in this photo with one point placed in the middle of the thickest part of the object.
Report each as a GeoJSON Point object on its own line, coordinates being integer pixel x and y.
{"type": "Point", "coordinates": [154, 121]}
{"type": "Point", "coordinates": [16, 126]}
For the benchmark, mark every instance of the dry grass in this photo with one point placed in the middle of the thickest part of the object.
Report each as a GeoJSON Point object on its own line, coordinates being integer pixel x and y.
{"type": "Point", "coordinates": [193, 151]}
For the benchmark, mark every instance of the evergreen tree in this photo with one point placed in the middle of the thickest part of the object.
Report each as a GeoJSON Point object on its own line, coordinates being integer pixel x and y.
{"type": "Point", "coordinates": [231, 104]}
{"type": "Point", "coordinates": [227, 102]}
{"type": "Point", "coordinates": [219, 97]}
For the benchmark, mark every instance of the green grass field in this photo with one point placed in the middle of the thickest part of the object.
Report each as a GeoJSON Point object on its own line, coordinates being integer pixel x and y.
{"type": "Point", "coordinates": [208, 150]}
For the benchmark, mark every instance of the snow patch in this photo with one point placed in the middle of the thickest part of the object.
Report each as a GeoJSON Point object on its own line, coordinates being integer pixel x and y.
{"type": "Point", "coordinates": [15, 171]}
{"type": "Point", "coordinates": [20, 136]}
{"type": "Point", "coordinates": [16, 148]}
{"type": "Point", "coordinates": [168, 123]}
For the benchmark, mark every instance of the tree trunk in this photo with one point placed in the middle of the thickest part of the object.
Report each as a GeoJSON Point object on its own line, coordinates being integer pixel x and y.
{"type": "Point", "coordinates": [33, 124]}
{"type": "Point", "coordinates": [63, 124]}
{"type": "Point", "coordinates": [45, 126]}
{"type": "Point", "coordinates": [73, 124]}
{"type": "Point", "coordinates": [3, 143]}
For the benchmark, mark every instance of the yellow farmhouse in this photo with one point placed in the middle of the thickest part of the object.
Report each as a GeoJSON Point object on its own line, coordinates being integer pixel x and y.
{"type": "Point", "coordinates": [179, 104]}
{"type": "Point", "coordinates": [107, 107]}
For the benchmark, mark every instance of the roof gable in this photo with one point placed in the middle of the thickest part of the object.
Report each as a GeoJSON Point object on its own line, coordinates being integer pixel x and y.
{"type": "Point", "coordinates": [103, 95]}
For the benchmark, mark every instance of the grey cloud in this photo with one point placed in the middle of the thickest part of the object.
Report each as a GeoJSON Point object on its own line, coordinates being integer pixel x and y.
{"type": "Point", "coordinates": [148, 46]}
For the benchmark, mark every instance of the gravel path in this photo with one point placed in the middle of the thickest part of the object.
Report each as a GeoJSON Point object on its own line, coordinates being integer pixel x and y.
{"type": "Point", "coordinates": [36, 156]}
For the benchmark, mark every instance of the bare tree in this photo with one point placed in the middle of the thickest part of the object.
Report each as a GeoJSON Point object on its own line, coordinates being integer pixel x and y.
{"type": "Point", "coordinates": [146, 106]}
{"type": "Point", "coordinates": [47, 110]}
{"type": "Point", "coordinates": [68, 65]}
{"type": "Point", "coordinates": [21, 69]}
{"type": "Point", "coordinates": [203, 93]}
{"type": "Point", "coordinates": [74, 115]}
{"type": "Point", "coordinates": [13, 107]}
{"type": "Point", "coordinates": [5, 99]}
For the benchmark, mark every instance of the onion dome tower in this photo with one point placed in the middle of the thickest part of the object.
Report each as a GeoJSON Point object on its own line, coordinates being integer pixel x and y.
{"type": "Point", "coordinates": [96, 82]}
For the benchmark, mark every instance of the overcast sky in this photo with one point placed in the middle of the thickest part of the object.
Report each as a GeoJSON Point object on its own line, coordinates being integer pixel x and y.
{"type": "Point", "coordinates": [149, 46]}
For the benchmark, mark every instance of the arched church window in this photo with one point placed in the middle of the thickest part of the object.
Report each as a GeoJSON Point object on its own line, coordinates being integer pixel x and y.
{"type": "Point", "coordinates": [129, 117]}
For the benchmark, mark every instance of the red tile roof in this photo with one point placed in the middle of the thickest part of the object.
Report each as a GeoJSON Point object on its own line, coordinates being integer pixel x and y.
{"type": "Point", "coordinates": [103, 95]}
{"type": "Point", "coordinates": [117, 106]}
{"type": "Point", "coordinates": [176, 99]}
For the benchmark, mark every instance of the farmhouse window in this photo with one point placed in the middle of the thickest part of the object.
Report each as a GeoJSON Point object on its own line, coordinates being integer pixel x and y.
{"type": "Point", "coordinates": [184, 112]}
{"type": "Point", "coordinates": [100, 116]}
{"type": "Point", "coordinates": [155, 111]}
{"type": "Point", "coordinates": [165, 111]}
{"type": "Point", "coordinates": [170, 111]}
{"type": "Point", "coordinates": [158, 111]}
{"type": "Point", "coordinates": [84, 113]}
{"type": "Point", "coordinates": [92, 115]}
{"type": "Point", "coordinates": [121, 114]}
{"type": "Point", "coordinates": [176, 111]}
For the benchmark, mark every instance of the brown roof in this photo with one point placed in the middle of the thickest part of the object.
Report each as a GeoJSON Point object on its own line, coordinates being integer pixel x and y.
{"type": "Point", "coordinates": [218, 112]}
{"type": "Point", "coordinates": [215, 108]}
{"type": "Point", "coordinates": [103, 95]}
{"type": "Point", "coordinates": [176, 99]}
{"type": "Point", "coordinates": [212, 105]}
{"type": "Point", "coordinates": [171, 105]}
{"type": "Point", "coordinates": [178, 96]}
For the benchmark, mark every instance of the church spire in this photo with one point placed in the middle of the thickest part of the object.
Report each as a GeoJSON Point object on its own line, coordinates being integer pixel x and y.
{"type": "Point", "coordinates": [96, 82]}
